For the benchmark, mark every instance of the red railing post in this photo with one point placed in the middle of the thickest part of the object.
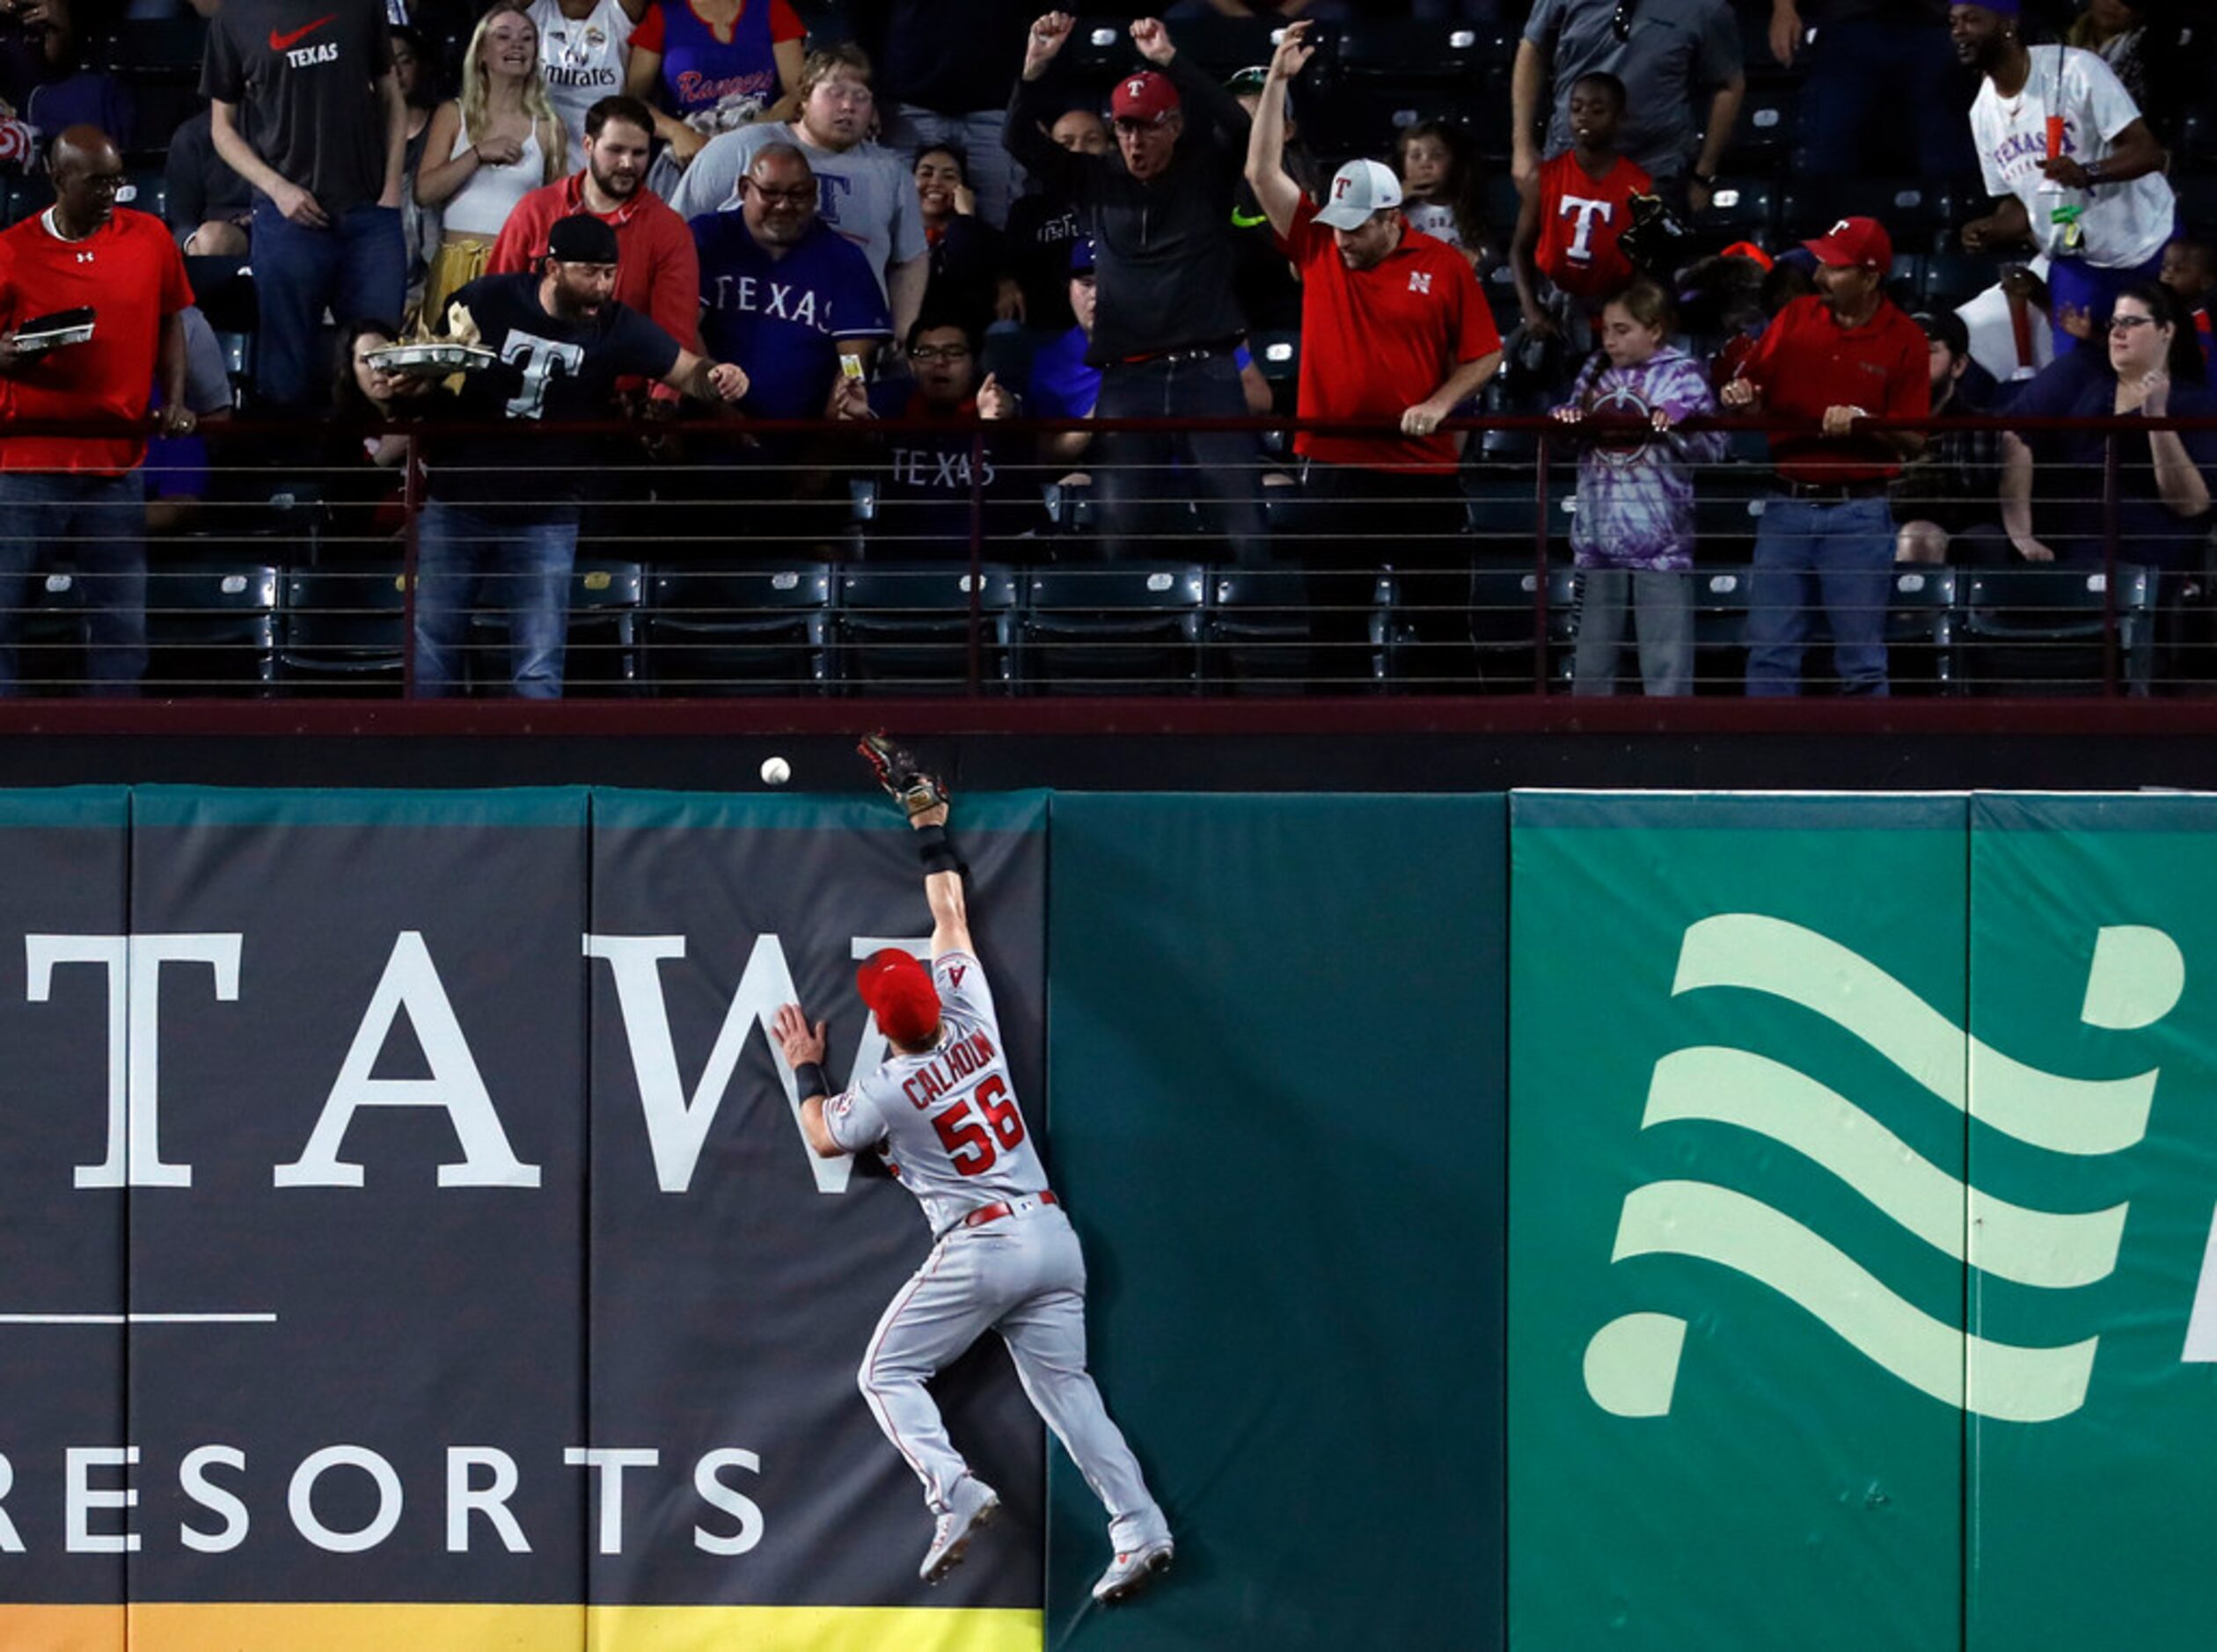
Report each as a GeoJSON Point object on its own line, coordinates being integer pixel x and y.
{"type": "Point", "coordinates": [412, 519]}
{"type": "Point", "coordinates": [2110, 490]}
{"type": "Point", "coordinates": [1540, 569]}
{"type": "Point", "coordinates": [977, 560]}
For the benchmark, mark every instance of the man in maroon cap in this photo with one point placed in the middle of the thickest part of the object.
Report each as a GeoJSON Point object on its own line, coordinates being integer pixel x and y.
{"type": "Point", "coordinates": [1829, 363]}
{"type": "Point", "coordinates": [1159, 211]}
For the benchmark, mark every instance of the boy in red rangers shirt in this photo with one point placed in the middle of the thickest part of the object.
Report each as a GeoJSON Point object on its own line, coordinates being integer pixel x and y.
{"type": "Point", "coordinates": [87, 493]}
{"type": "Point", "coordinates": [1829, 361]}
{"type": "Point", "coordinates": [1569, 228]}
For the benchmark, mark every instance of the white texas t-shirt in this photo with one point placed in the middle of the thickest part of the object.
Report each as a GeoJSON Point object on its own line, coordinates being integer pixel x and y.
{"type": "Point", "coordinates": [2124, 225]}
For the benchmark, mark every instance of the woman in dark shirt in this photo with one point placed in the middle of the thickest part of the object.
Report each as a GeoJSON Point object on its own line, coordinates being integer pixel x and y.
{"type": "Point", "coordinates": [2054, 480]}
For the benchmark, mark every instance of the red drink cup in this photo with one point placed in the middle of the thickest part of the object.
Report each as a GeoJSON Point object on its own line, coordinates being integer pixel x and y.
{"type": "Point", "coordinates": [2055, 137]}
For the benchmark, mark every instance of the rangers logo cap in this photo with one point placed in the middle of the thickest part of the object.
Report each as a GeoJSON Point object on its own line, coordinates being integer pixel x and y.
{"type": "Point", "coordinates": [900, 993]}
{"type": "Point", "coordinates": [1143, 97]}
{"type": "Point", "coordinates": [1855, 243]}
{"type": "Point", "coordinates": [1358, 189]}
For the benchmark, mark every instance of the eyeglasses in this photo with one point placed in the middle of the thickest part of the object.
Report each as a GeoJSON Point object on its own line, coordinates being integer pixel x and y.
{"type": "Point", "coordinates": [799, 195]}
{"type": "Point", "coordinates": [940, 353]}
{"type": "Point", "coordinates": [1134, 126]}
{"type": "Point", "coordinates": [2125, 323]}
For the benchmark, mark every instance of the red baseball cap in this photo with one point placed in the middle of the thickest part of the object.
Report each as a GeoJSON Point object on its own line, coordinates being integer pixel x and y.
{"type": "Point", "coordinates": [1855, 243]}
{"type": "Point", "coordinates": [900, 993]}
{"type": "Point", "coordinates": [1145, 96]}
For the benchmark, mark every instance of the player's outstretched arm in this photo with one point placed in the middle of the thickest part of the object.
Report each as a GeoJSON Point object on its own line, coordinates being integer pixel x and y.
{"type": "Point", "coordinates": [942, 882]}
{"type": "Point", "coordinates": [804, 1046]}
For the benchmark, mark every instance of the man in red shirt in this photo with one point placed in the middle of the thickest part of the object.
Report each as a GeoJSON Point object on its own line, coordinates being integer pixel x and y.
{"type": "Point", "coordinates": [659, 274]}
{"type": "Point", "coordinates": [86, 493]}
{"type": "Point", "coordinates": [1828, 363]}
{"type": "Point", "coordinates": [1395, 333]}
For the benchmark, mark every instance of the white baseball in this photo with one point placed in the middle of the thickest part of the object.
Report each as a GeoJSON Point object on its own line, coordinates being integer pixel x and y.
{"type": "Point", "coordinates": [776, 771]}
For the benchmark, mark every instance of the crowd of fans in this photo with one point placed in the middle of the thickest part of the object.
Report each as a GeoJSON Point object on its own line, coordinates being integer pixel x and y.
{"type": "Point", "coordinates": [697, 214]}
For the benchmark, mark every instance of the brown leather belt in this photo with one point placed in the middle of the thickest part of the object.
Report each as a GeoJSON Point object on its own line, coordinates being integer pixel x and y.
{"type": "Point", "coordinates": [986, 1213]}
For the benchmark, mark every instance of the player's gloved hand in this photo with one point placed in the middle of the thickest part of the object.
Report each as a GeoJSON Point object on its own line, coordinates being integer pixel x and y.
{"type": "Point", "coordinates": [904, 780]}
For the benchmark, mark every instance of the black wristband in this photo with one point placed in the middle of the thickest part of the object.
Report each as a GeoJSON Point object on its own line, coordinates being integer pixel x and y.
{"type": "Point", "coordinates": [808, 1078]}
{"type": "Point", "coordinates": [936, 852]}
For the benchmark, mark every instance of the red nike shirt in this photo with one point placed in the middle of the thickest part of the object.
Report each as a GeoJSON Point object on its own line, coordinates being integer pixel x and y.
{"type": "Point", "coordinates": [130, 272]}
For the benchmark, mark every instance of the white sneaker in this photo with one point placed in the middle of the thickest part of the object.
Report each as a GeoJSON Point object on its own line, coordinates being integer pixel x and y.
{"type": "Point", "coordinates": [1132, 1571]}
{"type": "Point", "coordinates": [971, 1509]}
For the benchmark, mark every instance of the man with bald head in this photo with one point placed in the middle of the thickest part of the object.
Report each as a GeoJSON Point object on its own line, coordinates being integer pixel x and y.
{"type": "Point", "coordinates": [83, 499]}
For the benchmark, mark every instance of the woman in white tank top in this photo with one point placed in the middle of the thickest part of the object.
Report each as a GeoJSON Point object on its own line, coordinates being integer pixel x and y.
{"type": "Point", "coordinates": [500, 140]}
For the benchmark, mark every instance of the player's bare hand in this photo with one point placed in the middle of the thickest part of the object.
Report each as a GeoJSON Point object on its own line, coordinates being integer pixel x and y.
{"type": "Point", "coordinates": [799, 1041]}
{"type": "Point", "coordinates": [1153, 42]}
{"type": "Point", "coordinates": [1739, 392]}
{"type": "Point", "coordinates": [1839, 421]}
{"type": "Point", "coordinates": [298, 206]}
{"type": "Point", "coordinates": [1294, 50]}
{"type": "Point", "coordinates": [1047, 36]}
{"type": "Point", "coordinates": [995, 400]}
{"type": "Point", "coordinates": [1785, 31]}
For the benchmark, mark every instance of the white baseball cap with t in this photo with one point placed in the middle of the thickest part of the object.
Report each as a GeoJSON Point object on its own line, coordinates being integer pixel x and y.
{"type": "Point", "coordinates": [1358, 189]}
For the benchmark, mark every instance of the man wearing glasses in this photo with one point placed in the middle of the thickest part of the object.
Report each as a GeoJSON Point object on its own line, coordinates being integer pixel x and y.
{"type": "Point", "coordinates": [925, 490]}
{"type": "Point", "coordinates": [864, 193]}
{"type": "Point", "coordinates": [1667, 52]}
{"type": "Point", "coordinates": [1168, 329]}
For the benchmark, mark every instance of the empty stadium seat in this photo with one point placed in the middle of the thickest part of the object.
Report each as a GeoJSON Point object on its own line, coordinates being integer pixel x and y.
{"type": "Point", "coordinates": [754, 630]}
{"type": "Point", "coordinates": [2040, 631]}
{"type": "Point", "coordinates": [1265, 632]}
{"type": "Point", "coordinates": [1123, 628]}
{"type": "Point", "coordinates": [604, 599]}
{"type": "Point", "coordinates": [908, 630]}
{"type": "Point", "coordinates": [1728, 512]}
{"type": "Point", "coordinates": [145, 189]}
{"type": "Point", "coordinates": [1720, 630]}
{"type": "Point", "coordinates": [344, 629]}
{"type": "Point", "coordinates": [212, 629]}
{"type": "Point", "coordinates": [1920, 621]}
{"type": "Point", "coordinates": [1741, 209]}
{"type": "Point", "coordinates": [1767, 131]}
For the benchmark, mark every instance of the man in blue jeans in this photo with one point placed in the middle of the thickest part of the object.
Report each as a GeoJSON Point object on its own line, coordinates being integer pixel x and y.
{"type": "Point", "coordinates": [306, 108]}
{"type": "Point", "coordinates": [503, 517]}
{"type": "Point", "coordinates": [1829, 363]}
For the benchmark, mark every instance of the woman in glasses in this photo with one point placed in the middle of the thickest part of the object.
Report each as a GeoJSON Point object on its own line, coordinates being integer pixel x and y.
{"type": "Point", "coordinates": [2051, 480]}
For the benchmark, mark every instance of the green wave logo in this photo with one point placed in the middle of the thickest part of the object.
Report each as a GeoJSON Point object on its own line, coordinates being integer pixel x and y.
{"type": "Point", "coordinates": [2137, 975]}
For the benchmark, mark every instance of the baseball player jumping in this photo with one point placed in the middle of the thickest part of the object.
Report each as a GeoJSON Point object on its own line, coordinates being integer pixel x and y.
{"type": "Point", "coordinates": [1003, 1256]}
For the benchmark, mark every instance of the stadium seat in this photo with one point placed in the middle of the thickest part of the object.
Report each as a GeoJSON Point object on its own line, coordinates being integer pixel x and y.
{"type": "Point", "coordinates": [1913, 209]}
{"type": "Point", "coordinates": [50, 636]}
{"type": "Point", "coordinates": [1412, 49]}
{"type": "Point", "coordinates": [604, 599]}
{"type": "Point", "coordinates": [26, 196]}
{"type": "Point", "coordinates": [1720, 630]}
{"type": "Point", "coordinates": [1125, 628]}
{"type": "Point", "coordinates": [1920, 631]}
{"type": "Point", "coordinates": [1740, 209]}
{"type": "Point", "coordinates": [1502, 515]}
{"type": "Point", "coordinates": [238, 362]}
{"type": "Point", "coordinates": [906, 630]}
{"type": "Point", "coordinates": [758, 630]}
{"type": "Point", "coordinates": [1728, 511]}
{"type": "Point", "coordinates": [1765, 134]}
{"type": "Point", "coordinates": [344, 629]}
{"type": "Point", "coordinates": [1954, 279]}
{"type": "Point", "coordinates": [2040, 631]}
{"type": "Point", "coordinates": [1259, 631]}
{"type": "Point", "coordinates": [145, 189]}
{"type": "Point", "coordinates": [1279, 356]}
{"type": "Point", "coordinates": [2197, 199]}
{"type": "Point", "coordinates": [2197, 134]}
{"type": "Point", "coordinates": [212, 629]}
{"type": "Point", "coordinates": [157, 48]}
{"type": "Point", "coordinates": [1504, 618]}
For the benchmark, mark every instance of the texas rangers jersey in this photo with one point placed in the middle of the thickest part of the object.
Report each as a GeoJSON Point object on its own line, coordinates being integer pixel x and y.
{"type": "Point", "coordinates": [946, 1120]}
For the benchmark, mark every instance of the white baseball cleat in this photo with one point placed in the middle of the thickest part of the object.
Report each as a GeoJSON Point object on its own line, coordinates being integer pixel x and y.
{"type": "Point", "coordinates": [1132, 1571]}
{"type": "Point", "coordinates": [971, 1509]}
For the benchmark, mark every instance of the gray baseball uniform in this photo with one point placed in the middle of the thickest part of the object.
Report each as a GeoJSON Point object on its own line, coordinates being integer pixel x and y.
{"type": "Point", "coordinates": [948, 1125]}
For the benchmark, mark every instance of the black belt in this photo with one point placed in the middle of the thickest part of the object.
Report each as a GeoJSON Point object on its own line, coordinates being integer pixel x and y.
{"type": "Point", "coordinates": [1184, 353]}
{"type": "Point", "coordinates": [1873, 487]}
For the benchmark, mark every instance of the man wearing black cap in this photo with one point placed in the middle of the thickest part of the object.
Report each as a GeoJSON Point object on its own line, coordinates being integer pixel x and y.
{"type": "Point", "coordinates": [1948, 502]}
{"type": "Point", "coordinates": [503, 510]}
{"type": "Point", "coordinates": [1160, 213]}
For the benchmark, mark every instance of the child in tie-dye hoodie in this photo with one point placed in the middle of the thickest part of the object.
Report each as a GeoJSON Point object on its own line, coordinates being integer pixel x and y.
{"type": "Point", "coordinates": [1634, 530]}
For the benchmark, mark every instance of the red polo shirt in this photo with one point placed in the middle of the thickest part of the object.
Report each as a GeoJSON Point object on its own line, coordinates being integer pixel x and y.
{"type": "Point", "coordinates": [130, 271]}
{"type": "Point", "coordinates": [1806, 361]}
{"type": "Point", "coordinates": [657, 270]}
{"type": "Point", "coordinates": [1376, 342]}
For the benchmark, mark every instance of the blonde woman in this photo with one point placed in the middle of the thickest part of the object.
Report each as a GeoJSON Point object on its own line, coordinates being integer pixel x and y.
{"type": "Point", "coordinates": [496, 143]}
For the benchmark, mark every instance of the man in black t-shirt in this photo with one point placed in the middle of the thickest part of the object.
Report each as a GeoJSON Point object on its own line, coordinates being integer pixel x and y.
{"type": "Point", "coordinates": [306, 108]}
{"type": "Point", "coordinates": [503, 510]}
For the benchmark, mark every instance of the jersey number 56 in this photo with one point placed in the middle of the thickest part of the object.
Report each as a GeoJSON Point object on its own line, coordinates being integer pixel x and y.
{"type": "Point", "coordinates": [970, 1144]}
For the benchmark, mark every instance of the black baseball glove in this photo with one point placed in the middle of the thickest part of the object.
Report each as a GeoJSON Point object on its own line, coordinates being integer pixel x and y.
{"type": "Point", "coordinates": [899, 774]}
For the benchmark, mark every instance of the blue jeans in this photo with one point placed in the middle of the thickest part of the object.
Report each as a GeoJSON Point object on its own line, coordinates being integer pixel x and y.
{"type": "Point", "coordinates": [524, 570]}
{"type": "Point", "coordinates": [97, 522]}
{"type": "Point", "coordinates": [1132, 477]}
{"type": "Point", "coordinates": [1806, 551]}
{"type": "Point", "coordinates": [358, 267]}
